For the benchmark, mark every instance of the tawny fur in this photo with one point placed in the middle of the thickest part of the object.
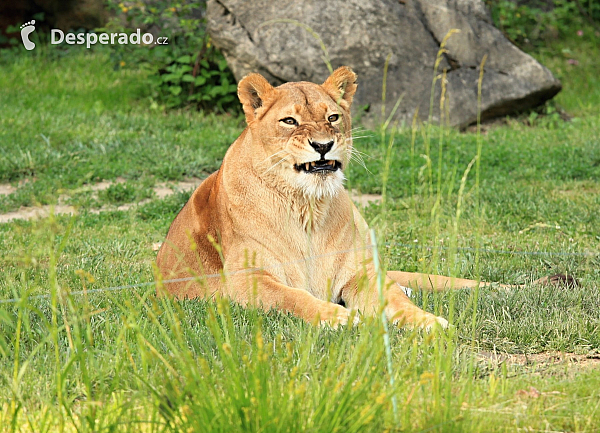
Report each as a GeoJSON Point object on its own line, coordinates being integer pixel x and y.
{"type": "Point", "coordinates": [302, 242]}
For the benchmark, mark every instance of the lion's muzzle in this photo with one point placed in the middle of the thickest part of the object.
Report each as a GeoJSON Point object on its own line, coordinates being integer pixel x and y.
{"type": "Point", "coordinates": [322, 165]}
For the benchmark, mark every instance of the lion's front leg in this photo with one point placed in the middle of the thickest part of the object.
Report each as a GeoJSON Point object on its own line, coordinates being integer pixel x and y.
{"type": "Point", "coordinates": [398, 307]}
{"type": "Point", "coordinates": [263, 290]}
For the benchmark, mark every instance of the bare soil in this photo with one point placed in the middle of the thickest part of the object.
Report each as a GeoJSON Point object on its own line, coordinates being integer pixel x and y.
{"type": "Point", "coordinates": [544, 359]}
{"type": "Point", "coordinates": [161, 190]}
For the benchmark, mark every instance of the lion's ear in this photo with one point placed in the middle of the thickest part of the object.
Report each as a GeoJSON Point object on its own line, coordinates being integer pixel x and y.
{"type": "Point", "coordinates": [341, 86]}
{"type": "Point", "coordinates": [252, 90]}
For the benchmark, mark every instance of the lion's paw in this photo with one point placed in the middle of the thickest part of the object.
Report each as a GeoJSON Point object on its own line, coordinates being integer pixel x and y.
{"type": "Point", "coordinates": [434, 321]}
{"type": "Point", "coordinates": [336, 316]}
{"type": "Point", "coordinates": [427, 322]}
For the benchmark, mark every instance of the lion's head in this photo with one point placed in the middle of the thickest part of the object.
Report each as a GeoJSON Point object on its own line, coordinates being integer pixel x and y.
{"type": "Point", "coordinates": [301, 132]}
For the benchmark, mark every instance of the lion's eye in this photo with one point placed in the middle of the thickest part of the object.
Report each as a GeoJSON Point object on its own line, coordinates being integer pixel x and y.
{"type": "Point", "coordinates": [289, 121]}
{"type": "Point", "coordinates": [333, 118]}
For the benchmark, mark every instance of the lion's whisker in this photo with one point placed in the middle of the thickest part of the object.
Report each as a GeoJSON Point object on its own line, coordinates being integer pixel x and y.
{"type": "Point", "coordinates": [357, 155]}
{"type": "Point", "coordinates": [358, 152]}
{"type": "Point", "coordinates": [275, 154]}
{"type": "Point", "coordinates": [276, 164]}
{"type": "Point", "coordinates": [361, 162]}
{"type": "Point", "coordinates": [362, 131]}
{"type": "Point", "coordinates": [357, 158]}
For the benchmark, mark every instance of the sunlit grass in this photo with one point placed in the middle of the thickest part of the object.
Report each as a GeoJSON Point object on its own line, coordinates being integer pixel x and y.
{"type": "Point", "coordinates": [125, 361]}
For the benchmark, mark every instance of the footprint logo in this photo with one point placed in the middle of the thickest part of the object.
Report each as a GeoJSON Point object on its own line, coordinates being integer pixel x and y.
{"type": "Point", "coordinates": [26, 30]}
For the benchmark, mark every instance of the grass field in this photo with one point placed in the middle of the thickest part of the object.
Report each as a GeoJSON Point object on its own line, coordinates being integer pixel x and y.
{"type": "Point", "coordinates": [73, 358]}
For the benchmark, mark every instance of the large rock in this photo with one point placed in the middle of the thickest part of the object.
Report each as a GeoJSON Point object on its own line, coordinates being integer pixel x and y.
{"type": "Point", "coordinates": [362, 33]}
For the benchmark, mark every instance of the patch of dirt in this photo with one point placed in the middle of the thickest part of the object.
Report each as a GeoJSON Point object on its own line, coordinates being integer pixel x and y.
{"type": "Point", "coordinates": [364, 200]}
{"type": "Point", "coordinates": [6, 189]}
{"type": "Point", "coordinates": [105, 184]}
{"type": "Point", "coordinates": [544, 359]}
{"type": "Point", "coordinates": [28, 213]}
{"type": "Point", "coordinates": [577, 189]}
{"type": "Point", "coordinates": [162, 190]}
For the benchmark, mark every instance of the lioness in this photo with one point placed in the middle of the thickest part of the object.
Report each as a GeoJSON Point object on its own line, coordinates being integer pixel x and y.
{"type": "Point", "coordinates": [278, 212]}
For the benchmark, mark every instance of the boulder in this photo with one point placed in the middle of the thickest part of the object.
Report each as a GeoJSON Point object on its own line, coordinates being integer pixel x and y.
{"type": "Point", "coordinates": [287, 40]}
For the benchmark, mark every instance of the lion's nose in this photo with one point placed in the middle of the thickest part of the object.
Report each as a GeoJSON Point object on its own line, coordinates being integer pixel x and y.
{"type": "Point", "coordinates": [322, 148]}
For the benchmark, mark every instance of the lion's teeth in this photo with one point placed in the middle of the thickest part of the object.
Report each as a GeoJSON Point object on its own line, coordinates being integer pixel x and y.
{"type": "Point", "coordinates": [312, 164]}
{"type": "Point", "coordinates": [332, 162]}
{"type": "Point", "coordinates": [307, 165]}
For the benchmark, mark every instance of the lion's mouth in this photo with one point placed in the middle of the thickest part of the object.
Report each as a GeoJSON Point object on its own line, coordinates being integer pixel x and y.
{"type": "Point", "coordinates": [320, 166]}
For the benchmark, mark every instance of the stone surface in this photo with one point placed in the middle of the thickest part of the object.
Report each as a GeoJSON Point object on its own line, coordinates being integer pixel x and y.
{"type": "Point", "coordinates": [282, 41]}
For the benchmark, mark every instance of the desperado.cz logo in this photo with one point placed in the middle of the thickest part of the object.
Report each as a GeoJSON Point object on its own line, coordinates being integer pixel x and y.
{"type": "Point", "coordinates": [88, 39]}
{"type": "Point", "coordinates": [57, 36]}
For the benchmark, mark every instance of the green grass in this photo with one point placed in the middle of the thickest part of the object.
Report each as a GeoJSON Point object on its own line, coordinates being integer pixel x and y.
{"type": "Point", "coordinates": [70, 122]}
{"type": "Point", "coordinates": [124, 361]}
